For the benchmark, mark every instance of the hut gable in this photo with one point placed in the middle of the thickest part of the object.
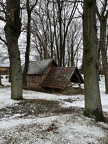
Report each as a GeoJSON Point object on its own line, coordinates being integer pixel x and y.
{"type": "Point", "coordinates": [60, 77]}
{"type": "Point", "coordinates": [37, 71]}
{"type": "Point", "coordinates": [38, 67]}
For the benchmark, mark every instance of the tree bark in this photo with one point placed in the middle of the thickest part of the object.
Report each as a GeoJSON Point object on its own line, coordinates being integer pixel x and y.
{"type": "Point", "coordinates": [103, 22]}
{"type": "Point", "coordinates": [0, 80]}
{"type": "Point", "coordinates": [12, 32]}
{"type": "Point", "coordinates": [27, 53]}
{"type": "Point", "coordinates": [103, 16]}
{"type": "Point", "coordinates": [93, 106]}
{"type": "Point", "coordinates": [104, 52]}
{"type": "Point", "coordinates": [59, 3]}
{"type": "Point", "coordinates": [27, 46]}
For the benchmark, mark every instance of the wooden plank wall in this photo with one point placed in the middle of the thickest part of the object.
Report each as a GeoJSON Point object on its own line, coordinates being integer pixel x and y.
{"type": "Point", "coordinates": [4, 71]}
{"type": "Point", "coordinates": [35, 80]}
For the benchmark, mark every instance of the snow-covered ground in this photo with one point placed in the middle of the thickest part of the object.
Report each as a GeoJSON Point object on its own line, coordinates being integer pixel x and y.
{"type": "Point", "coordinates": [60, 129]}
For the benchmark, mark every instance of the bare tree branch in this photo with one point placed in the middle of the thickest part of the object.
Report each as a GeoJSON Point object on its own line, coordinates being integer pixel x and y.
{"type": "Point", "coordinates": [2, 18]}
{"type": "Point", "coordinates": [3, 41]}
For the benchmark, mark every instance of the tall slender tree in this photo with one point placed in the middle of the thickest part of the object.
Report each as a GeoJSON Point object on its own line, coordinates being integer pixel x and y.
{"type": "Point", "coordinates": [93, 106]}
{"type": "Point", "coordinates": [30, 8]}
{"type": "Point", "coordinates": [0, 80]}
{"type": "Point", "coordinates": [103, 16]}
{"type": "Point", "coordinates": [12, 33]}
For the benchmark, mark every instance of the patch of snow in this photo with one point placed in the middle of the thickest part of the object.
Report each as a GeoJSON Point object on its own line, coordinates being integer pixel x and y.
{"type": "Point", "coordinates": [5, 97]}
{"type": "Point", "coordinates": [77, 100]}
{"type": "Point", "coordinates": [17, 115]}
{"type": "Point", "coordinates": [5, 80]}
{"type": "Point", "coordinates": [74, 129]}
{"type": "Point", "coordinates": [63, 129]}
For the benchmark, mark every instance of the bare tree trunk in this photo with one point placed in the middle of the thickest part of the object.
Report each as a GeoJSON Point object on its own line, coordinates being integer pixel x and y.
{"type": "Point", "coordinates": [0, 80]}
{"type": "Point", "coordinates": [103, 16]}
{"type": "Point", "coordinates": [60, 32]}
{"type": "Point", "coordinates": [72, 53]}
{"type": "Point", "coordinates": [93, 106]}
{"type": "Point", "coordinates": [12, 32]}
{"type": "Point", "coordinates": [27, 53]}
{"type": "Point", "coordinates": [27, 46]}
{"type": "Point", "coordinates": [104, 53]}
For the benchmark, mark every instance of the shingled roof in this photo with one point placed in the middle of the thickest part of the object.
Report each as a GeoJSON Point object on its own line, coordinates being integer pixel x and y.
{"type": "Point", "coordinates": [38, 67]}
{"type": "Point", "coordinates": [59, 77]}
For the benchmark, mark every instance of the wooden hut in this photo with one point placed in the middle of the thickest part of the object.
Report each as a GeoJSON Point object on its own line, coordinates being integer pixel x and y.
{"type": "Point", "coordinates": [4, 69]}
{"type": "Point", "coordinates": [37, 71]}
{"type": "Point", "coordinates": [62, 77]}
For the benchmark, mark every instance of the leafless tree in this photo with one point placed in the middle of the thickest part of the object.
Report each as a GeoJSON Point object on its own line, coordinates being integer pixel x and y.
{"type": "Point", "coordinates": [103, 16]}
{"type": "Point", "coordinates": [30, 5]}
{"type": "Point", "coordinates": [12, 33]}
{"type": "Point", "coordinates": [74, 42]}
{"type": "Point", "coordinates": [52, 24]}
{"type": "Point", "coordinates": [93, 106]}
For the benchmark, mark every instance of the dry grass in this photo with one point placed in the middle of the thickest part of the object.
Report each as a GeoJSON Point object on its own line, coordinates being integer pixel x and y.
{"type": "Point", "coordinates": [37, 107]}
